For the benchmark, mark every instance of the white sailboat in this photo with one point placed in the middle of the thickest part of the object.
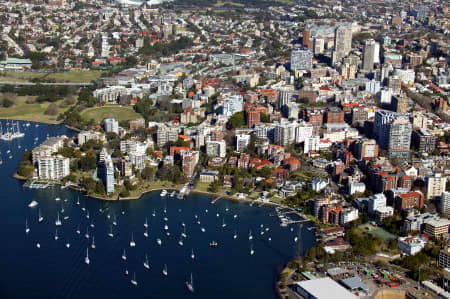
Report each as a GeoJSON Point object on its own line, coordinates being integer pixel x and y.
{"type": "Point", "coordinates": [92, 224]}
{"type": "Point", "coordinates": [165, 270]}
{"type": "Point", "coordinates": [93, 242]}
{"type": "Point", "coordinates": [27, 229]}
{"type": "Point", "coordinates": [57, 199]}
{"type": "Point", "coordinates": [87, 233]}
{"type": "Point", "coordinates": [183, 234]}
{"type": "Point", "coordinates": [158, 241]}
{"type": "Point", "coordinates": [180, 242]}
{"type": "Point", "coordinates": [67, 245]}
{"type": "Point", "coordinates": [223, 223]}
{"type": "Point", "coordinates": [115, 220]}
{"type": "Point", "coordinates": [166, 227]}
{"type": "Point", "coordinates": [38, 245]}
{"type": "Point", "coordinates": [295, 239]}
{"type": "Point", "coordinates": [235, 216]}
{"type": "Point", "coordinates": [252, 252]}
{"type": "Point", "coordinates": [134, 281]}
{"type": "Point", "coordinates": [58, 221]}
{"type": "Point", "coordinates": [146, 222]}
{"type": "Point", "coordinates": [132, 243]}
{"type": "Point", "coordinates": [250, 237]}
{"type": "Point", "coordinates": [182, 224]}
{"type": "Point", "coordinates": [78, 229]}
{"type": "Point", "coordinates": [146, 265]}
{"type": "Point", "coordinates": [56, 235]}
{"type": "Point", "coordinates": [110, 234]}
{"type": "Point", "coordinates": [190, 284]}
{"type": "Point", "coordinates": [203, 229]}
{"type": "Point", "coordinates": [78, 201]}
{"type": "Point", "coordinates": [154, 213]}
{"type": "Point", "coordinates": [87, 214]}
{"type": "Point", "coordinates": [192, 254]}
{"type": "Point", "coordinates": [146, 233]}
{"type": "Point", "coordinates": [235, 235]}
{"type": "Point", "coordinates": [33, 204]}
{"type": "Point", "coordinates": [166, 219]}
{"type": "Point", "coordinates": [40, 218]}
{"type": "Point", "coordinates": [86, 259]}
{"type": "Point", "coordinates": [124, 255]}
{"type": "Point", "coordinates": [126, 271]}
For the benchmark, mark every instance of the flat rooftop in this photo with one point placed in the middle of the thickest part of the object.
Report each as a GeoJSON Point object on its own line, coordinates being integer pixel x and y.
{"type": "Point", "coordinates": [325, 288]}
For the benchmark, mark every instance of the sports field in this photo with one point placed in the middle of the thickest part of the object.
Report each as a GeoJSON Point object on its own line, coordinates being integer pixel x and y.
{"type": "Point", "coordinates": [118, 112]}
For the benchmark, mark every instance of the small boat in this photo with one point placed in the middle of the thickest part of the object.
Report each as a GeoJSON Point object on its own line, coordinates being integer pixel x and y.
{"type": "Point", "coordinates": [165, 270]}
{"type": "Point", "coordinates": [62, 208]}
{"type": "Point", "coordinates": [166, 219]}
{"type": "Point", "coordinates": [270, 239]}
{"type": "Point", "coordinates": [183, 234]}
{"type": "Point", "coordinates": [163, 193]}
{"type": "Point", "coordinates": [192, 254]}
{"type": "Point", "coordinates": [292, 229]}
{"type": "Point", "coordinates": [226, 210]}
{"type": "Point", "coordinates": [295, 239]}
{"type": "Point", "coordinates": [146, 265]}
{"type": "Point", "coordinates": [213, 244]}
{"type": "Point", "coordinates": [57, 199]}
{"type": "Point", "coordinates": [126, 271]}
{"type": "Point", "coordinates": [267, 229]}
{"type": "Point", "coordinates": [180, 242]}
{"type": "Point", "coordinates": [86, 259]}
{"type": "Point", "coordinates": [146, 233]}
{"type": "Point", "coordinates": [165, 210]}
{"type": "Point", "coordinates": [132, 243]}
{"type": "Point", "coordinates": [158, 241]}
{"type": "Point", "coordinates": [38, 245]}
{"type": "Point", "coordinates": [134, 281]}
{"type": "Point", "coordinates": [78, 230]}
{"type": "Point", "coordinates": [83, 209]}
{"type": "Point", "coordinates": [217, 215]}
{"type": "Point", "coordinates": [92, 224]}
{"type": "Point", "coordinates": [154, 213]}
{"type": "Point", "coordinates": [123, 212]}
{"type": "Point", "coordinates": [93, 242]}
{"type": "Point", "coordinates": [124, 255]}
{"type": "Point", "coordinates": [146, 222]}
{"type": "Point", "coordinates": [182, 224]}
{"type": "Point", "coordinates": [27, 229]}
{"type": "Point", "coordinates": [190, 285]}
{"type": "Point", "coordinates": [203, 229]}
{"type": "Point", "coordinates": [87, 214]}
{"type": "Point", "coordinates": [250, 237]}
{"type": "Point", "coordinates": [167, 234]}
{"type": "Point", "coordinates": [173, 194]}
{"type": "Point", "coordinates": [110, 234]}
{"type": "Point", "coordinates": [235, 235]}
{"type": "Point", "coordinates": [58, 221]}
{"type": "Point", "coordinates": [195, 216]}
{"type": "Point", "coordinates": [198, 221]}
{"type": "Point", "coordinates": [33, 204]}
{"type": "Point", "coordinates": [66, 217]}
{"type": "Point", "coordinates": [66, 200]}
{"type": "Point", "coordinates": [67, 245]}
{"type": "Point", "coordinates": [235, 216]}
{"type": "Point", "coordinates": [223, 223]}
{"type": "Point", "coordinates": [166, 227]}
{"type": "Point", "coordinates": [56, 235]}
{"type": "Point", "coordinates": [86, 235]}
{"type": "Point", "coordinates": [78, 201]}
{"type": "Point", "coordinates": [252, 252]}
{"type": "Point", "coordinates": [262, 232]}
{"type": "Point", "coordinates": [206, 211]}
{"type": "Point", "coordinates": [40, 218]}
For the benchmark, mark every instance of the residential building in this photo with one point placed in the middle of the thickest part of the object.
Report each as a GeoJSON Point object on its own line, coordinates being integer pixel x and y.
{"type": "Point", "coordinates": [318, 184]}
{"type": "Point", "coordinates": [366, 149]}
{"type": "Point", "coordinates": [53, 167]}
{"type": "Point", "coordinates": [342, 43]}
{"type": "Point", "coordinates": [242, 142]}
{"type": "Point", "coordinates": [444, 258]}
{"type": "Point", "coordinates": [166, 134]}
{"type": "Point", "coordinates": [138, 159]}
{"type": "Point", "coordinates": [357, 187]}
{"type": "Point", "coordinates": [369, 55]}
{"type": "Point", "coordinates": [437, 227]}
{"type": "Point", "coordinates": [408, 200]}
{"type": "Point", "coordinates": [105, 172]}
{"type": "Point", "coordinates": [189, 162]}
{"type": "Point", "coordinates": [216, 148]}
{"type": "Point", "coordinates": [85, 136]}
{"type": "Point", "coordinates": [435, 185]}
{"type": "Point", "coordinates": [411, 245]}
{"type": "Point", "coordinates": [378, 201]}
{"type": "Point", "coordinates": [399, 131]}
{"type": "Point", "coordinates": [301, 60]}
{"type": "Point", "coordinates": [348, 215]}
{"type": "Point", "coordinates": [423, 140]}
{"type": "Point", "coordinates": [232, 104]}
{"type": "Point", "coordinates": [209, 176]}
{"type": "Point", "coordinates": [445, 204]}
{"type": "Point", "coordinates": [311, 144]}
{"type": "Point", "coordinates": [111, 125]}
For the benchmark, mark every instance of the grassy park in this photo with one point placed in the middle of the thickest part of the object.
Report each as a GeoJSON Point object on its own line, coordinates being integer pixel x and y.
{"type": "Point", "coordinates": [75, 76]}
{"type": "Point", "coordinates": [30, 112]}
{"type": "Point", "coordinates": [118, 112]}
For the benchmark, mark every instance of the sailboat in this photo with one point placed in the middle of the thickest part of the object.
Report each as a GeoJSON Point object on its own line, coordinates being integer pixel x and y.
{"type": "Point", "coordinates": [165, 270]}
{"type": "Point", "coordinates": [87, 214]}
{"type": "Point", "coordinates": [40, 218]}
{"type": "Point", "coordinates": [235, 235]}
{"type": "Point", "coordinates": [58, 221]}
{"type": "Point", "coordinates": [78, 201]}
{"type": "Point", "coordinates": [146, 265]}
{"type": "Point", "coordinates": [126, 271]}
{"type": "Point", "coordinates": [27, 229]}
{"type": "Point", "coordinates": [92, 224]}
{"type": "Point", "coordinates": [146, 233]}
{"type": "Point", "coordinates": [250, 237]}
{"type": "Point", "coordinates": [56, 235]}
{"type": "Point", "coordinates": [252, 252]}
{"type": "Point", "coordinates": [115, 220]}
{"type": "Point", "coordinates": [78, 229]}
{"type": "Point", "coordinates": [183, 234]}
{"type": "Point", "coordinates": [62, 207]}
{"type": "Point", "coordinates": [223, 223]}
{"type": "Point", "coordinates": [146, 222]}
{"type": "Point", "coordinates": [203, 229]}
{"type": "Point", "coordinates": [153, 214]}
{"type": "Point", "coordinates": [133, 281]}
{"type": "Point", "coordinates": [192, 254]}
{"type": "Point", "coordinates": [295, 239]}
{"type": "Point", "coordinates": [235, 216]}
{"type": "Point", "coordinates": [124, 255]}
{"type": "Point", "coordinates": [132, 243]}
{"type": "Point", "coordinates": [262, 232]}
{"type": "Point", "coordinates": [93, 242]}
{"type": "Point", "coordinates": [190, 284]}
{"type": "Point", "coordinates": [110, 234]}
{"type": "Point", "coordinates": [86, 259]}
{"type": "Point", "coordinates": [158, 241]}
{"type": "Point", "coordinates": [87, 233]}
{"type": "Point", "coordinates": [67, 244]}
{"type": "Point", "coordinates": [180, 242]}
{"type": "Point", "coordinates": [166, 227]}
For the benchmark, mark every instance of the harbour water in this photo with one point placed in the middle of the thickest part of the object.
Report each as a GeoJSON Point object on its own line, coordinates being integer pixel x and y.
{"type": "Point", "coordinates": [55, 271]}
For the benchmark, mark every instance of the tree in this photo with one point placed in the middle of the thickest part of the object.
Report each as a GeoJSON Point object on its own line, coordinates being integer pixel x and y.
{"type": "Point", "coordinates": [88, 162]}
{"type": "Point", "coordinates": [147, 173]}
{"type": "Point", "coordinates": [237, 120]}
{"type": "Point", "coordinates": [265, 118]}
{"type": "Point", "coordinates": [52, 109]}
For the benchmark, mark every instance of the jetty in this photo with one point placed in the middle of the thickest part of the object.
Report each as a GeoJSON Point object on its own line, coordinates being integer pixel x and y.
{"type": "Point", "coordinates": [283, 213]}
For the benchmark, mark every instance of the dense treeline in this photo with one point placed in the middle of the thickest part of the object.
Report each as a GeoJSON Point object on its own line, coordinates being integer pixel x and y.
{"type": "Point", "coordinates": [44, 93]}
{"type": "Point", "coordinates": [164, 49]}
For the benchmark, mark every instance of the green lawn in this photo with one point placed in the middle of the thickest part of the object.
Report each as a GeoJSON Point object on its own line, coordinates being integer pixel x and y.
{"type": "Point", "coordinates": [378, 231]}
{"type": "Point", "coordinates": [12, 76]}
{"type": "Point", "coordinates": [118, 112]}
{"type": "Point", "coordinates": [75, 76]}
{"type": "Point", "coordinates": [31, 112]}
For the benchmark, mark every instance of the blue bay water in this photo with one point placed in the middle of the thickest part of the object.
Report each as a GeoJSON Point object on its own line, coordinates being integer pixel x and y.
{"type": "Point", "coordinates": [54, 271]}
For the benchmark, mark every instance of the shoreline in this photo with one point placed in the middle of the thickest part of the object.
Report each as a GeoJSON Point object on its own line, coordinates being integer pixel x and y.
{"type": "Point", "coordinates": [33, 121]}
{"type": "Point", "coordinates": [141, 194]}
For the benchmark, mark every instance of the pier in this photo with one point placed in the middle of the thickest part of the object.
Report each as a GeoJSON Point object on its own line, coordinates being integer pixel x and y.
{"type": "Point", "coordinates": [285, 220]}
